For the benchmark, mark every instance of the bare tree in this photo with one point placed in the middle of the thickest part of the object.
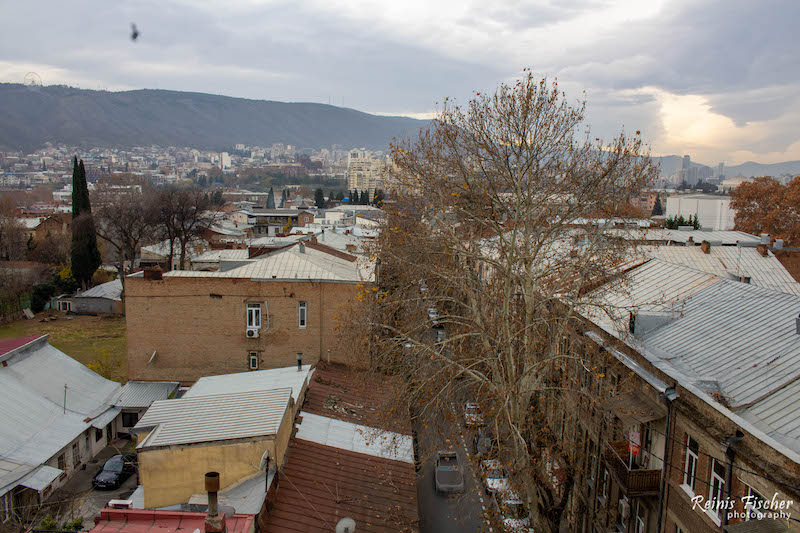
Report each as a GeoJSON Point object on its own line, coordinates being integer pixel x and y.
{"type": "Point", "coordinates": [12, 234]}
{"type": "Point", "coordinates": [125, 220]}
{"type": "Point", "coordinates": [184, 213]}
{"type": "Point", "coordinates": [489, 239]}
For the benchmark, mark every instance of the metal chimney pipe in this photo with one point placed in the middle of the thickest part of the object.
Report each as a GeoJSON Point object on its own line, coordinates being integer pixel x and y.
{"type": "Point", "coordinates": [212, 487]}
{"type": "Point", "coordinates": [299, 361]}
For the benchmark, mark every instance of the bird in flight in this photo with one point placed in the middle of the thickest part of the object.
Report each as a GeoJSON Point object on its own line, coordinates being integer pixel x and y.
{"type": "Point", "coordinates": [134, 32]}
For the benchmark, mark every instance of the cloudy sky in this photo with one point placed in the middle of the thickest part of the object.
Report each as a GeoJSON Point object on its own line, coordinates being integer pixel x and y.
{"type": "Point", "coordinates": [719, 80]}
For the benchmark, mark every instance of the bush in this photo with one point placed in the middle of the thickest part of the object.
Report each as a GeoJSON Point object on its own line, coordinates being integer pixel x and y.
{"type": "Point", "coordinates": [48, 523]}
{"type": "Point", "coordinates": [41, 295]}
{"type": "Point", "coordinates": [72, 525]}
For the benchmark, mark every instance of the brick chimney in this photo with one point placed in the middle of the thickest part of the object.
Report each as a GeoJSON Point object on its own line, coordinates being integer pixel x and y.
{"type": "Point", "coordinates": [763, 250]}
{"type": "Point", "coordinates": [215, 522]}
{"type": "Point", "coordinates": [706, 247]}
{"type": "Point", "coordinates": [152, 274]}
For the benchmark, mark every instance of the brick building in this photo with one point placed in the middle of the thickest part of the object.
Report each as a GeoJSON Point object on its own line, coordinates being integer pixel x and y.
{"type": "Point", "coordinates": [696, 396]}
{"type": "Point", "coordinates": [190, 324]}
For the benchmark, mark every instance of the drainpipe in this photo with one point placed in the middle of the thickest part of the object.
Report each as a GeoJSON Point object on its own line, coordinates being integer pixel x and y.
{"type": "Point", "coordinates": [669, 396]}
{"type": "Point", "coordinates": [730, 453]}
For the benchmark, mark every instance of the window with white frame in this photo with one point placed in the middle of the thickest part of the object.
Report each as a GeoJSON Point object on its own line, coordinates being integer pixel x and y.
{"type": "Point", "coordinates": [641, 518]}
{"type": "Point", "coordinates": [253, 360]}
{"type": "Point", "coordinates": [754, 504]}
{"type": "Point", "coordinates": [678, 529]}
{"type": "Point", "coordinates": [254, 315]}
{"type": "Point", "coordinates": [302, 312]}
{"type": "Point", "coordinates": [717, 485]}
{"type": "Point", "coordinates": [64, 305]}
{"type": "Point", "coordinates": [690, 468]}
{"type": "Point", "coordinates": [605, 484]}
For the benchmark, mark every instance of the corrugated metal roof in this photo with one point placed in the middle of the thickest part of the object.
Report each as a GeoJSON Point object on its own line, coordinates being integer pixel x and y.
{"type": "Point", "coordinates": [33, 423]}
{"type": "Point", "coordinates": [212, 418]}
{"type": "Point", "coordinates": [355, 437]}
{"type": "Point", "coordinates": [111, 290]}
{"type": "Point", "coordinates": [41, 478]}
{"type": "Point", "coordinates": [139, 394]}
{"type": "Point", "coordinates": [212, 256]}
{"type": "Point", "coordinates": [718, 335]}
{"type": "Point", "coordinates": [103, 420]}
{"type": "Point", "coordinates": [252, 381]}
{"type": "Point", "coordinates": [672, 235]}
{"type": "Point", "coordinates": [146, 521]}
{"type": "Point", "coordinates": [289, 264]}
{"type": "Point", "coordinates": [321, 484]}
{"type": "Point", "coordinates": [765, 272]}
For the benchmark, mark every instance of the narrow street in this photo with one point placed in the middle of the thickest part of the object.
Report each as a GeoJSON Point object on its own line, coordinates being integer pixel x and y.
{"type": "Point", "coordinates": [440, 513]}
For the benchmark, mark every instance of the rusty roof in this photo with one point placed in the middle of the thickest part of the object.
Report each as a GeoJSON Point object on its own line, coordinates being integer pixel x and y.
{"type": "Point", "coordinates": [320, 485]}
{"type": "Point", "coordinates": [144, 521]}
{"type": "Point", "coordinates": [340, 392]}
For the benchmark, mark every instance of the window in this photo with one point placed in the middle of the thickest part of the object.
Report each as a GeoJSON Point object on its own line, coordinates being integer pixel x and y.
{"type": "Point", "coordinates": [254, 315]}
{"type": "Point", "coordinates": [98, 435]}
{"type": "Point", "coordinates": [76, 458]}
{"type": "Point", "coordinates": [253, 360]}
{"type": "Point", "coordinates": [613, 382]}
{"type": "Point", "coordinates": [715, 493]}
{"type": "Point", "coordinates": [604, 490]}
{"type": "Point", "coordinates": [301, 314]}
{"type": "Point", "coordinates": [641, 518]}
{"type": "Point", "coordinates": [690, 470]}
{"type": "Point", "coordinates": [64, 305]}
{"type": "Point", "coordinates": [129, 419]}
{"type": "Point", "coordinates": [62, 462]}
{"type": "Point", "coordinates": [678, 529]}
{"type": "Point", "coordinates": [754, 504]}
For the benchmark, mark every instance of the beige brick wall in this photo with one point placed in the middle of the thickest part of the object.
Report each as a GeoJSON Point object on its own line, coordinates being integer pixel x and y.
{"type": "Point", "coordinates": [197, 325]}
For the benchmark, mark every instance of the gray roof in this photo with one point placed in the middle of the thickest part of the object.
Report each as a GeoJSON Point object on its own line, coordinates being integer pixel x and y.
{"type": "Point", "coordinates": [213, 418]}
{"type": "Point", "coordinates": [292, 264]}
{"type": "Point", "coordinates": [673, 235]}
{"type": "Point", "coordinates": [745, 261]}
{"type": "Point", "coordinates": [138, 394]}
{"type": "Point", "coordinates": [33, 424]}
{"type": "Point", "coordinates": [111, 291]}
{"type": "Point", "coordinates": [717, 335]}
{"type": "Point", "coordinates": [253, 381]}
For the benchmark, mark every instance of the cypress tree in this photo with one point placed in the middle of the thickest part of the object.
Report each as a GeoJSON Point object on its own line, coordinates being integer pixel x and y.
{"type": "Point", "coordinates": [283, 198]}
{"type": "Point", "coordinates": [84, 254]}
{"type": "Point", "coordinates": [378, 198]}
{"type": "Point", "coordinates": [319, 198]}
{"type": "Point", "coordinates": [364, 197]}
{"type": "Point", "coordinates": [271, 199]}
{"type": "Point", "coordinates": [657, 209]}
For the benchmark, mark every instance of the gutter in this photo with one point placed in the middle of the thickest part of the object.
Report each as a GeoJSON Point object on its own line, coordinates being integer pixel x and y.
{"type": "Point", "coordinates": [669, 396]}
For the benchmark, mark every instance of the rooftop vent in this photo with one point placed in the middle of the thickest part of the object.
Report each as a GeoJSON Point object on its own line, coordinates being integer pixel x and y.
{"type": "Point", "coordinates": [797, 324]}
{"type": "Point", "coordinates": [706, 247]}
{"type": "Point", "coordinates": [765, 238]}
{"type": "Point", "coordinates": [779, 244]}
{"type": "Point", "coordinates": [302, 248]}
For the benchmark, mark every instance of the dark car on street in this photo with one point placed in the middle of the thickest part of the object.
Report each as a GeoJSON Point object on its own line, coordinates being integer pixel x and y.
{"type": "Point", "coordinates": [448, 476]}
{"type": "Point", "coordinates": [116, 471]}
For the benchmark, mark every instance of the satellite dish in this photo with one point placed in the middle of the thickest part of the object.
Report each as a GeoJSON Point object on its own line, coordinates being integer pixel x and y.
{"type": "Point", "coordinates": [33, 81]}
{"type": "Point", "coordinates": [346, 525]}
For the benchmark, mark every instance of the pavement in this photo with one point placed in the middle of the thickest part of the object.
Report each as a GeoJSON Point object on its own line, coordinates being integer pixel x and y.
{"type": "Point", "coordinates": [85, 501]}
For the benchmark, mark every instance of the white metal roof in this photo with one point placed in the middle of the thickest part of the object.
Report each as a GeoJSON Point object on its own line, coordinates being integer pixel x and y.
{"type": "Point", "coordinates": [111, 290]}
{"type": "Point", "coordinates": [213, 418]}
{"type": "Point", "coordinates": [673, 235]}
{"type": "Point", "coordinates": [213, 256]}
{"type": "Point", "coordinates": [746, 261]}
{"type": "Point", "coordinates": [41, 478]}
{"type": "Point", "coordinates": [355, 437]}
{"type": "Point", "coordinates": [717, 335]}
{"type": "Point", "coordinates": [253, 381]}
{"type": "Point", "coordinates": [35, 423]}
{"type": "Point", "coordinates": [291, 264]}
{"type": "Point", "coordinates": [138, 394]}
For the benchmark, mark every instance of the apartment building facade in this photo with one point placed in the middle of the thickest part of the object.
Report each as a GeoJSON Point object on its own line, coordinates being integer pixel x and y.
{"type": "Point", "coordinates": [190, 324]}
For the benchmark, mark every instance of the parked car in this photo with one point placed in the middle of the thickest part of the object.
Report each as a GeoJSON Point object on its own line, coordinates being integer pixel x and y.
{"type": "Point", "coordinates": [433, 316]}
{"type": "Point", "coordinates": [483, 442]}
{"type": "Point", "coordinates": [513, 512]}
{"type": "Point", "coordinates": [495, 477]}
{"type": "Point", "coordinates": [448, 475]}
{"type": "Point", "coordinates": [472, 415]}
{"type": "Point", "coordinates": [440, 335]}
{"type": "Point", "coordinates": [116, 471]}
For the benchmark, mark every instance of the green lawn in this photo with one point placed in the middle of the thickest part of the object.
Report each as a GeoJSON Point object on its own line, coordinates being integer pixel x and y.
{"type": "Point", "coordinates": [97, 342]}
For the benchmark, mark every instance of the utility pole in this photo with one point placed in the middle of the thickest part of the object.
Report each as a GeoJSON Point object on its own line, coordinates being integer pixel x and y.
{"type": "Point", "coordinates": [65, 398]}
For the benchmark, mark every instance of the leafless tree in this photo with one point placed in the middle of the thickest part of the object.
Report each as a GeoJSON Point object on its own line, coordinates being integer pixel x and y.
{"type": "Point", "coordinates": [125, 220]}
{"type": "Point", "coordinates": [184, 213]}
{"type": "Point", "coordinates": [12, 233]}
{"type": "Point", "coordinates": [489, 230]}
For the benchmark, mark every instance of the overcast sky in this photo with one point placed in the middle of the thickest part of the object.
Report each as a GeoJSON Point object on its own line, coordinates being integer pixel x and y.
{"type": "Point", "coordinates": [719, 80]}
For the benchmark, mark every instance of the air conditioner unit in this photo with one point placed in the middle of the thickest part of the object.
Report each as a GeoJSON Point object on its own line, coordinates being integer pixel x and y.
{"type": "Point", "coordinates": [252, 333]}
{"type": "Point", "coordinates": [624, 509]}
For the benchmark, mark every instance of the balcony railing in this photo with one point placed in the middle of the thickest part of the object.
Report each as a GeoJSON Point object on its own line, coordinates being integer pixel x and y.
{"type": "Point", "coordinates": [634, 481]}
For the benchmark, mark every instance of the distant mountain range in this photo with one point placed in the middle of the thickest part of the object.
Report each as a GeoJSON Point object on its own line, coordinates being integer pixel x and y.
{"type": "Point", "coordinates": [29, 117]}
{"type": "Point", "coordinates": [670, 164]}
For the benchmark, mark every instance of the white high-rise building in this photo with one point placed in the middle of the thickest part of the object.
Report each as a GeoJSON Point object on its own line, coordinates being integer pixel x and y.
{"type": "Point", "coordinates": [364, 172]}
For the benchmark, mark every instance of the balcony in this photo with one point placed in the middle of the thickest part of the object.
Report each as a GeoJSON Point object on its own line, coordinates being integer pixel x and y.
{"type": "Point", "coordinates": [634, 480]}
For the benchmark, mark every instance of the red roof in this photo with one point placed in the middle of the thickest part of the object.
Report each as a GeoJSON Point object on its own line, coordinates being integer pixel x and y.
{"type": "Point", "coordinates": [340, 392]}
{"type": "Point", "coordinates": [142, 521]}
{"type": "Point", "coordinates": [320, 485]}
{"type": "Point", "coordinates": [6, 345]}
